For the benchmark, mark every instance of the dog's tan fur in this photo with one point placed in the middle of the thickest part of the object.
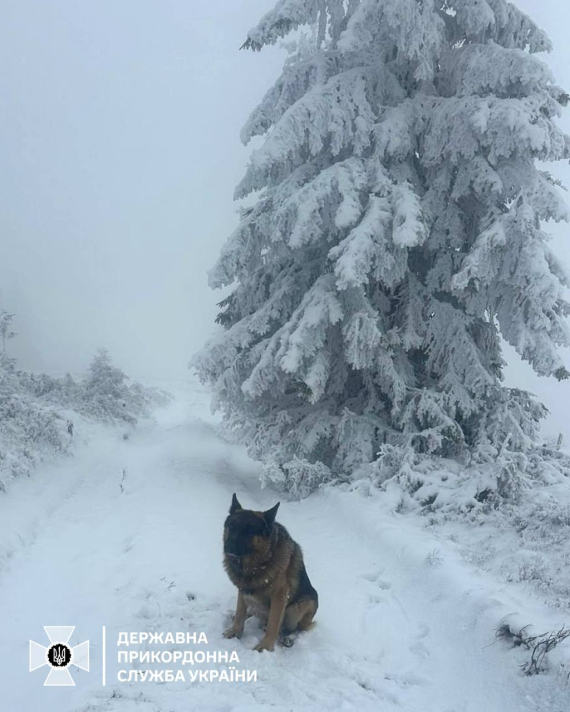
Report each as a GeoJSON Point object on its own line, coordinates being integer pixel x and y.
{"type": "Point", "coordinates": [271, 580]}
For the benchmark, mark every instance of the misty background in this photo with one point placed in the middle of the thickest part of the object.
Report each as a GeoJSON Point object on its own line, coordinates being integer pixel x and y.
{"type": "Point", "coordinates": [120, 151]}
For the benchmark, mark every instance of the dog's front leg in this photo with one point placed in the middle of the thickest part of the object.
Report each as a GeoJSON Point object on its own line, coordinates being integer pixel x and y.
{"type": "Point", "coordinates": [236, 630]}
{"type": "Point", "coordinates": [278, 603]}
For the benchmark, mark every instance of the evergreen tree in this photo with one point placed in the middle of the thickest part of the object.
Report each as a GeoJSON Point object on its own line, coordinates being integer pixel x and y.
{"type": "Point", "coordinates": [105, 394]}
{"type": "Point", "coordinates": [397, 233]}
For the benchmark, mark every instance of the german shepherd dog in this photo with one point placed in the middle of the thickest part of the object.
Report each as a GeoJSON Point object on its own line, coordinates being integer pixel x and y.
{"type": "Point", "coordinates": [266, 565]}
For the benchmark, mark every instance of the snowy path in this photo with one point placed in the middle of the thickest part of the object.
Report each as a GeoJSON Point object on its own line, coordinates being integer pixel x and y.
{"type": "Point", "coordinates": [393, 633]}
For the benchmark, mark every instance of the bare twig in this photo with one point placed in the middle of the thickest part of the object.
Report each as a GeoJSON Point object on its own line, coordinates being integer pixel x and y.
{"type": "Point", "coordinates": [539, 645]}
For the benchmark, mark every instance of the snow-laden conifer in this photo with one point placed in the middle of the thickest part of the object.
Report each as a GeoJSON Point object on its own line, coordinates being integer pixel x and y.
{"type": "Point", "coordinates": [397, 232]}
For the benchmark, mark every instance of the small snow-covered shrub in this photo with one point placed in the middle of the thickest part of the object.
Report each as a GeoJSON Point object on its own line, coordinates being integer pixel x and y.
{"type": "Point", "coordinates": [538, 645]}
{"type": "Point", "coordinates": [394, 461]}
{"type": "Point", "coordinates": [32, 426]}
{"type": "Point", "coordinates": [511, 475]}
{"type": "Point", "coordinates": [434, 558]}
{"type": "Point", "coordinates": [533, 569]}
{"type": "Point", "coordinates": [106, 395]}
{"type": "Point", "coordinates": [29, 430]}
{"type": "Point", "coordinates": [482, 482]}
{"type": "Point", "coordinates": [298, 477]}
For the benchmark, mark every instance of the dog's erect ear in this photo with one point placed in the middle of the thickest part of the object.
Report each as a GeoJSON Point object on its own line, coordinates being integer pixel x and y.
{"type": "Point", "coordinates": [269, 516]}
{"type": "Point", "coordinates": [235, 504]}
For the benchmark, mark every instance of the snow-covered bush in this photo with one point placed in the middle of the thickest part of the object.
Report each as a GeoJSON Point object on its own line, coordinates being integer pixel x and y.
{"type": "Point", "coordinates": [396, 235]}
{"type": "Point", "coordinates": [29, 429]}
{"type": "Point", "coordinates": [539, 646]}
{"type": "Point", "coordinates": [58, 391]}
{"type": "Point", "coordinates": [300, 478]}
{"type": "Point", "coordinates": [423, 482]}
{"type": "Point", "coordinates": [105, 394]}
{"type": "Point", "coordinates": [32, 425]}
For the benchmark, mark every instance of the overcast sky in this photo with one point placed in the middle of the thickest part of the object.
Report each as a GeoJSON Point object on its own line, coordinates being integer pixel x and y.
{"type": "Point", "coordinates": [119, 147]}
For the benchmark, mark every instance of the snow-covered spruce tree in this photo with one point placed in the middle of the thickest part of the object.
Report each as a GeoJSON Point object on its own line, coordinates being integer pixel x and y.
{"type": "Point", "coordinates": [105, 393]}
{"type": "Point", "coordinates": [397, 234]}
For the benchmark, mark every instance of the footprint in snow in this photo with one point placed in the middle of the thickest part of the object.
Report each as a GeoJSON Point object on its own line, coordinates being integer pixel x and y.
{"type": "Point", "coordinates": [418, 647]}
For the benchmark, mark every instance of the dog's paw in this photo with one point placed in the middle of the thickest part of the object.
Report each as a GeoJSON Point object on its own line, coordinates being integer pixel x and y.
{"type": "Point", "coordinates": [264, 645]}
{"type": "Point", "coordinates": [232, 633]}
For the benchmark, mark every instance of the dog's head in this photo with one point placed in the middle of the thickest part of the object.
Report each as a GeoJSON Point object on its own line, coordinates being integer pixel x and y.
{"type": "Point", "coordinates": [247, 532]}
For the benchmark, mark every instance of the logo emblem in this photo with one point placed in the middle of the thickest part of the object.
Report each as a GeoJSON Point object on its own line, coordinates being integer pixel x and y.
{"type": "Point", "coordinates": [59, 655]}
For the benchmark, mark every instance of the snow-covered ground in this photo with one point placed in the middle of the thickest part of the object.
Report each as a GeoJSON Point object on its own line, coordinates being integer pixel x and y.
{"type": "Point", "coordinates": [127, 535]}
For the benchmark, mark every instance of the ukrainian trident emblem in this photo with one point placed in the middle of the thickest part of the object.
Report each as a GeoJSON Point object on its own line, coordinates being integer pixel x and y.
{"type": "Point", "coordinates": [59, 655]}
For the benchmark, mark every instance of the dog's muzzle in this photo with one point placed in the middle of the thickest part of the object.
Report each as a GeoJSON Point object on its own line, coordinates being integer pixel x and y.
{"type": "Point", "coordinates": [233, 550]}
